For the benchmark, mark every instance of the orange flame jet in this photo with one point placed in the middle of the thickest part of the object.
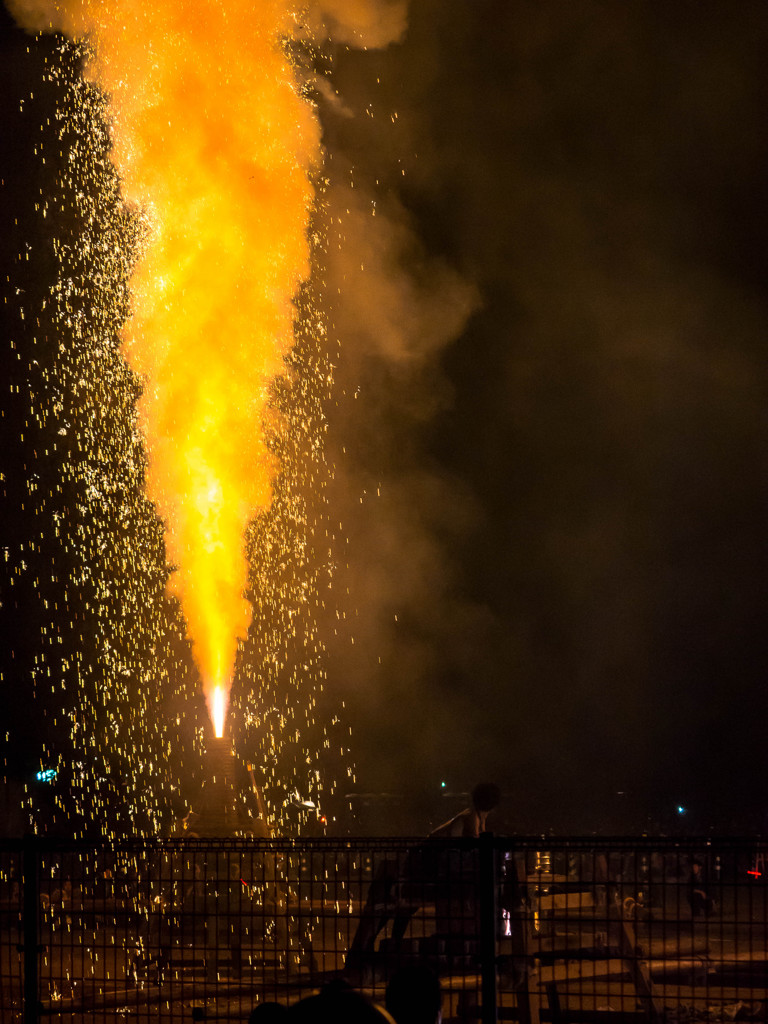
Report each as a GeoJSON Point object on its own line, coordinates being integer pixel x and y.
{"type": "Point", "coordinates": [216, 147]}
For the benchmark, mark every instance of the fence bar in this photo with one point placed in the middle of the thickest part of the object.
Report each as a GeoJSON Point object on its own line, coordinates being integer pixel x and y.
{"type": "Point", "coordinates": [488, 927]}
{"type": "Point", "coordinates": [31, 903]}
{"type": "Point", "coordinates": [576, 929]}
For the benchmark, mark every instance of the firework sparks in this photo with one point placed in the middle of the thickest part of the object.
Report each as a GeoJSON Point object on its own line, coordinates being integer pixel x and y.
{"type": "Point", "coordinates": [219, 163]}
{"type": "Point", "coordinates": [206, 361]}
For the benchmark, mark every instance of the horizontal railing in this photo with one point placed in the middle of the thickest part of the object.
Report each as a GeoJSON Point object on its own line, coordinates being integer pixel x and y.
{"type": "Point", "coordinates": [516, 928]}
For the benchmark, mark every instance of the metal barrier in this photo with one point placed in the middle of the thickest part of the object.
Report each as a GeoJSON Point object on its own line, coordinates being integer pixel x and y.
{"type": "Point", "coordinates": [530, 929]}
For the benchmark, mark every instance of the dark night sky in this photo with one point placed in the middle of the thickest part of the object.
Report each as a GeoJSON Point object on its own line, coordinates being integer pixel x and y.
{"type": "Point", "coordinates": [572, 523]}
{"type": "Point", "coordinates": [551, 426]}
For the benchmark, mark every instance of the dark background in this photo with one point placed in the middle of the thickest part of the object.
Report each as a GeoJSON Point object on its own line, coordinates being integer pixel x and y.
{"type": "Point", "coordinates": [571, 528]}
{"type": "Point", "coordinates": [548, 430]}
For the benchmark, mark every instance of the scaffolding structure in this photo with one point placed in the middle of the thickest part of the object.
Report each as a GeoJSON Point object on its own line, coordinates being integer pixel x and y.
{"type": "Point", "coordinates": [517, 928]}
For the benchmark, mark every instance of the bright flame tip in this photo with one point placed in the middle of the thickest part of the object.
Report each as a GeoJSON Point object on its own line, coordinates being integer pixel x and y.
{"type": "Point", "coordinates": [218, 712]}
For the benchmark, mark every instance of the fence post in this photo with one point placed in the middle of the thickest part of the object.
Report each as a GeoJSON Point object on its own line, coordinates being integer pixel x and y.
{"type": "Point", "coordinates": [31, 904]}
{"type": "Point", "coordinates": [488, 926]}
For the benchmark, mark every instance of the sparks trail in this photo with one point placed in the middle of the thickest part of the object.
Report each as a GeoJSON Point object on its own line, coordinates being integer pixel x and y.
{"type": "Point", "coordinates": [196, 219]}
{"type": "Point", "coordinates": [219, 165]}
{"type": "Point", "coordinates": [92, 649]}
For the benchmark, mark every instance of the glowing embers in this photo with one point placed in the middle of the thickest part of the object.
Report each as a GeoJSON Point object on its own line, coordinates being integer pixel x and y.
{"type": "Point", "coordinates": [220, 169]}
{"type": "Point", "coordinates": [218, 711]}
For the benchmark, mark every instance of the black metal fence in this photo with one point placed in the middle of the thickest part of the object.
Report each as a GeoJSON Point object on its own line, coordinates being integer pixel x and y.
{"type": "Point", "coordinates": [526, 929]}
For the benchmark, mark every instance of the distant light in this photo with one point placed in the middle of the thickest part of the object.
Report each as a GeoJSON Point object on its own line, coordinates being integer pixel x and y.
{"type": "Point", "coordinates": [442, 785]}
{"type": "Point", "coordinates": [680, 810]}
{"type": "Point", "coordinates": [46, 775]}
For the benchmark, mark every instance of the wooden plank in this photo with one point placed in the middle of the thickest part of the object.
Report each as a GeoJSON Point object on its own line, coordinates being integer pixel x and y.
{"type": "Point", "coordinates": [640, 974]}
{"type": "Point", "coordinates": [565, 901]}
{"type": "Point", "coordinates": [579, 970]}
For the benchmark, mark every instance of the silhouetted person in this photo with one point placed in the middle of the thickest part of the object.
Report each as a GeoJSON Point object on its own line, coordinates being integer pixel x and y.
{"type": "Point", "coordinates": [472, 820]}
{"type": "Point", "coordinates": [414, 995]}
{"type": "Point", "coordinates": [429, 873]}
{"type": "Point", "coordinates": [701, 903]}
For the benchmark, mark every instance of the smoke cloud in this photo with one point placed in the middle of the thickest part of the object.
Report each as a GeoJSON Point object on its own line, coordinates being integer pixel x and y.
{"type": "Point", "coordinates": [578, 473]}
{"type": "Point", "coordinates": [395, 307]}
{"type": "Point", "coordinates": [360, 23]}
{"type": "Point", "coordinates": [390, 299]}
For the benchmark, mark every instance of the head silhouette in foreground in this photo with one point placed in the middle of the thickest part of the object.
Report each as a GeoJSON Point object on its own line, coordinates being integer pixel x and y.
{"type": "Point", "coordinates": [414, 995]}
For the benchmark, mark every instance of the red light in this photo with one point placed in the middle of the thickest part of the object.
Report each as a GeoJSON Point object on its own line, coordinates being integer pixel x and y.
{"type": "Point", "coordinates": [757, 874]}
